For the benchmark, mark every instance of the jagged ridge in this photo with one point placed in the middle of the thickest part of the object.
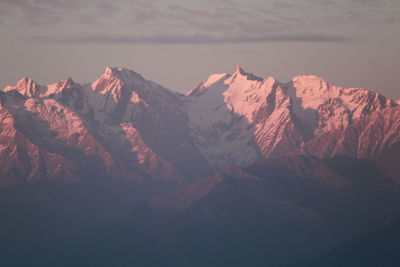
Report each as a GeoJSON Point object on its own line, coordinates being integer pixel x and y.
{"type": "Point", "coordinates": [123, 126]}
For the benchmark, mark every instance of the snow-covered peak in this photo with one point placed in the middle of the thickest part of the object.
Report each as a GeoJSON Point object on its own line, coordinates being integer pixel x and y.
{"type": "Point", "coordinates": [26, 82]}
{"type": "Point", "coordinates": [239, 70]}
{"type": "Point", "coordinates": [29, 88]}
{"type": "Point", "coordinates": [56, 88]}
{"type": "Point", "coordinates": [314, 91]}
{"type": "Point", "coordinates": [213, 78]}
{"type": "Point", "coordinates": [221, 80]}
{"type": "Point", "coordinates": [118, 76]}
{"type": "Point", "coordinates": [120, 73]}
{"type": "Point", "coordinates": [223, 113]}
{"type": "Point", "coordinates": [311, 85]}
{"type": "Point", "coordinates": [118, 86]}
{"type": "Point", "coordinates": [240, 92]}
{"type": "Point", "coordinates": [229, 112]}
{"type": "Point", "coordinates": [108, 72]}
{"type": "Point", "coordinates": [323, 106]}
{"type": "Point", "coordinates": [240, 74]}
{"type": "Point", "coordinates": [26, 87]}
{"type": "Point", "coordinates": [308, 77]}
{"type": "Point", "coordinates": [112, 80]}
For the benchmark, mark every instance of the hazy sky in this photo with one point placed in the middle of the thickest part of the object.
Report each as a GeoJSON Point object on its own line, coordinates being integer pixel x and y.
{"type": "Point", "coordinates": [178, 43]}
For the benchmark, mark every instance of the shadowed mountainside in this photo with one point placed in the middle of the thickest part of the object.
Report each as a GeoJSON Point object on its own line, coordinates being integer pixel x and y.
{"type": "Point", "coordinates": [240, 171]}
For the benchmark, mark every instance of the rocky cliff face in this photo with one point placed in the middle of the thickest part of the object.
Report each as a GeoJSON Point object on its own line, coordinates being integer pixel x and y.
{"type": "Point", "coordinates": [239, 171]}
{"type": "Point", "coordinates": [119, 127]}
{"type": "Point", "coordinates": [124, 127]}
{"type": "Point", "coordinates": [240, 118]}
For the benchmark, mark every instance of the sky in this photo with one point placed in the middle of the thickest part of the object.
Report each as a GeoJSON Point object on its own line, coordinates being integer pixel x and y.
{"type": "Point", "coordinates": [178, 43]}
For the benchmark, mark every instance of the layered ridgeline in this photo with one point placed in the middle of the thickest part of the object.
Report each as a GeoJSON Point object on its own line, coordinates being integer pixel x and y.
{"type": "Point", "coordinates": [124, 127]}
{"type": "Point", "coordinates": [240, 118]}
{"type": "Point", "coordinates": [240, 171]}
{"type": "Point", "coordinates": [121, 126]}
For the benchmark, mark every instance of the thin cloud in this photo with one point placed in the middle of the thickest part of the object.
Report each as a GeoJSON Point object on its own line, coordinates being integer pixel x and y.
{"type": "Point", "coordinates": [190, 22]}
{"type": "Point", "coordinates": [32, 12]}
{"type": "Point", "coordinates": [192, 39]}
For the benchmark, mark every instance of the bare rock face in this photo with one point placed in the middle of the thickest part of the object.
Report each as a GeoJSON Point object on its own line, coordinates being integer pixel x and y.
{"type": "Point", "coordinates": [374, 137]}
{"type": "Point", "coordinates": [119, 127]}
{"type": "Point", "coordinates": [124, 127]}
{"type": "Point", "coordinates": [240, 118]}
{"type": "Point", "coordinates": [240, 171]}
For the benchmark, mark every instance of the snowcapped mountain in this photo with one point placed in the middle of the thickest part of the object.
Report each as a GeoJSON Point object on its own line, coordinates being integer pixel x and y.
{"type": "Point", "coordinates": [323, 107]}
{"type": "Point", "coordinates": [239, 171]}
{"type": "Point", "coordinates": [375, 137]}
{"type": "Point", "coordinates": [122, 126]}
{"type": "Point", "coordinates": [29, 88]}
{"type": "Point", "coordinates": [239, 118]}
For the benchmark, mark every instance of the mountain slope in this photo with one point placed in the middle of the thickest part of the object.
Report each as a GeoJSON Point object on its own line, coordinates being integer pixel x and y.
{"type": "Point", "coordinates": [376, 248]}
{"type": "Point", "coordinates": [374, 137]}
{"type": "Point", "coordinates": [323, 107]}
{"type": "Point", "coordinates": [122, 126]}
{"type": "Point", "coordinates": [264, 214]}
{"type": "Point", "coordinates": [240, 118]}
{"type": "Point", "coordinates": [239, 171]}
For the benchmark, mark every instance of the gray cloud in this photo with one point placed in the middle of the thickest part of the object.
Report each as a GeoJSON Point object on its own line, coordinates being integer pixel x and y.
{"type": "Point", "coordinates": [189, 21]}
{"type": "Point", "coordinates": [34, 12]}
{"type": "Point", "coordinates": [189, 10]}
{"type": "Point", "coordinates": [191, 39]}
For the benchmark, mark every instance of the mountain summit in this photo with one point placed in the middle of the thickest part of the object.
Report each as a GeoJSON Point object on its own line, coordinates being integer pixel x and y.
{"type": "Point", "coordinates": [240, 118]}
{"type": "Point", "coordinates": [132, 128]}
{"type": "Point", "coordinates": [240, 171]}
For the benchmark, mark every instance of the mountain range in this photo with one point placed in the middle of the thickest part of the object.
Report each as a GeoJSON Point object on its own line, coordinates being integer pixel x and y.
{"type": "Point", "coordinates": [134, 129]}
{"type": "Point", "coordinates": [240, 170]}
